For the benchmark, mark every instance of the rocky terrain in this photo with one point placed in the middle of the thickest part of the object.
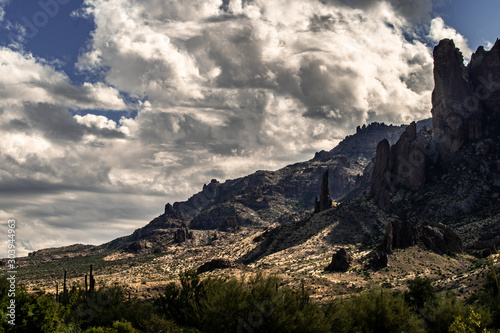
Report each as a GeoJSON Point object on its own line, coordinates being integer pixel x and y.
{"type": "Point", "coordinates": [387, 204]}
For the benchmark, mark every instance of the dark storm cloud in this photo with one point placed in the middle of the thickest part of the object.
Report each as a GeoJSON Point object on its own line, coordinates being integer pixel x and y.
{"type": "Point", "coordinates": [54, 122]}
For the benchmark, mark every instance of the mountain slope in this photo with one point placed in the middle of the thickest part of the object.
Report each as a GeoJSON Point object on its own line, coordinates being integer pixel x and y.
{"type": "Point", "coordinates": [266, 197]}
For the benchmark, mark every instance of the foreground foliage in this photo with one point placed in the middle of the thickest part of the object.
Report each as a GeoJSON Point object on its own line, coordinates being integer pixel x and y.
{"type": "Point", "coordinates": [255, 304]}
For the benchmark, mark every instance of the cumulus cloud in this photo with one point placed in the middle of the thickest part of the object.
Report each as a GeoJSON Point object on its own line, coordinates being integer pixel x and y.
{"type": "Point", "coordinates": [439, 30]}
{"type": "Point", "coordinates": [224, 88]}
{"type": "Point", "coordinates": [27, 79]}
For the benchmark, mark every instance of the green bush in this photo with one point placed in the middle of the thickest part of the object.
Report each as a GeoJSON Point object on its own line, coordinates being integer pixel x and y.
{"type": "Point", "coordinates": [255, 304]}
{"type": "Point", "coordinates": [34, 313]}
{"type": "Point", "coordinates": [420, 292]}
{"type": "Point", "coordinates": [377, 310]}
{"type": "Point", "coordinates": [448, 310]}
{"type": "Point", "coordinates": [230, 305]}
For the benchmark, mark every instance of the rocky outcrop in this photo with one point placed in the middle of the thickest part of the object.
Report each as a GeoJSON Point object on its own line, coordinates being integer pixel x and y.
{"type": "Point", "coordinates": [170, 212]}
{"type": "Point", "coordinates": [201, 200]}
{"type": "Point", "coordinates": [341, 261]}
{"type": "Point", "coordinates": [436, 237]}
{"type": "Point", "coordinates": [171, 218]}
{"type": "Point", "coordinates": [139, 246]}
{"type": "Point", "coordinates": [217, 264]}
{"type": "Point", "coordinates": [441, 239]}
{"type": "Point", "coordinates": [229, 224]}
{"type": "Point", "coordinates": [399, 235]}
{"type": "Point", "coordinates": [381, 176]}
{"type": "Point", "coordinates": [453, 121]}
{"type": "Point", "coordinates": [463, 96]}
{"type": "Point", "coordinates": [466, 103]}
{"type": "Point", "coordinates": [402, 164]}
{"type": "Point", "coordinates": [484, 74]}
{"type": "Point", "coordinates": [183, 233]}
{"type": "Point", "coordinates": [408, 160]}
{"type": "Point", "coordinates": [377, 259]}
{"type": "Point", "coordinates": [324, 202]}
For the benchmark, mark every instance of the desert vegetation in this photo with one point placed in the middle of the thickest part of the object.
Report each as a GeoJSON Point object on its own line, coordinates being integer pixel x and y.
{"type": "Point", "coordinates": [255, 303]}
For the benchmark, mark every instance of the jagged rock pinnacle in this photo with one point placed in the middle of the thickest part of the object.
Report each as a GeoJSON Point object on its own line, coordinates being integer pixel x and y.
{"type": "Point", "coordinates": [324, 202]}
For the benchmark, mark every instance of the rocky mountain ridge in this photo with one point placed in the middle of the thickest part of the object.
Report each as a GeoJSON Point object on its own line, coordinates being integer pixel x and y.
{"type": "Point", "coordinates": [428, 203]}
{"type": "Point", "coordinates": [266, 197]}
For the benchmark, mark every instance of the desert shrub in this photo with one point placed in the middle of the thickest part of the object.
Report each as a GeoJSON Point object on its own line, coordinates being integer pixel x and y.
{"type": "Point", "coordinates": [449, 310]}
{"type": "Point", "coordinates": [121, 326]}
{"type": "Point", "coordinates": [158, 324]}
{"type": "Point", "coordinates": [107, 306]}
{"type": "Point", "coordinates": [489, 296]}
{"type": "Point", "coordinates": [34, 313]}
{"type": "Point", "coordinates": [472, 323]}
{"type": "Point", "coordinates": [377, 310]}
{"type": "Point", "coordinates": [420, 292]}
{"type": "Point", "coordinates": [230, 305]}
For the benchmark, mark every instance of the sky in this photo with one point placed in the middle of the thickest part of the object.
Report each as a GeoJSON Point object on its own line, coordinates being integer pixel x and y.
{"type": "Point", "coordinates": [109, 109]}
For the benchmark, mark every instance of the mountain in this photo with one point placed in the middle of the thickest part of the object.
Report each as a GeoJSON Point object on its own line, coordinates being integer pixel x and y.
{"type": "Point", "coordinates": [263, 198]}
{"type": "Point", "coordinates": [450, 174]}
{"type": "Point", "coordinates": [417, 199]}
{"type": "Point", "coordinates": [266, 197]}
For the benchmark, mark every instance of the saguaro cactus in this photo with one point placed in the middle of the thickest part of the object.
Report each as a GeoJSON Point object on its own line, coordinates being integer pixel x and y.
{"type": "Point", "coordinates": [92, 280]}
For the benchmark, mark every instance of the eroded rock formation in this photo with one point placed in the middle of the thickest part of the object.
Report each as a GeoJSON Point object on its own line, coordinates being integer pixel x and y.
{"type": "Point", "coordinates": [324, 202]}
{"type": "Point", "coordinates": [399, 235]}
{"type": "Point", "coordinates": [381, 176]}
{"type": "Point", "coordinates": [341, 261]}
{"type": "Point", "coordinates": [466, 103]}
{"type": "Point", "coordinates": [450, 116]}
{"type": "Point", "coordinates": [436, 237]}
{"type": "Point", "coordinates": [183, 233]}
{"type": "Point", "coordinates": [408, 160]}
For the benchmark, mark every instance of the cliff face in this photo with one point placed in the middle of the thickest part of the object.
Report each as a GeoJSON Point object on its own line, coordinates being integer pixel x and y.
{"type": "Point", "coordinates": [287, 194]}
{"type": "Point", "coordinates": [450, 174]}
{"type": "Point", "coordinates": [466, 108]}
{"type": "Point", "coordinates": [450, 116]}
{"type": "Point", "coordinates": [463, 96]}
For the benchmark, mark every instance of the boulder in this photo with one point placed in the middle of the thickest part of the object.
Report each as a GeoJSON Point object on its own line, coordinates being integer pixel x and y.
{"type": "Point", "coordinates": [378, 259]}
{"type": "Point", "coordinates": [441, 239]}
{"type": "Point", "coordinates": [216, 264]}
{"type": "Point", "coordinates": [341, 261]}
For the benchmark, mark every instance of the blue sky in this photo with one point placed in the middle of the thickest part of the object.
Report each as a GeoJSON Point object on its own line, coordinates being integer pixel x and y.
{"type": "Point", "coordinates": [60, 38]}
{"type": "Point", "coordinates": [475, 20]}
{"type": "Point", "coordinates": [109, 109]}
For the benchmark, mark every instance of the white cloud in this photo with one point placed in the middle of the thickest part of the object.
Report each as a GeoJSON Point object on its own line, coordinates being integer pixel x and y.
{"type": "Point", "coordinates": [439, 30]}
{"type": "Point", "coordinates": [223, 93]}
{"type": "Point", "coordinates": [28, 79]}
{"type": "Point", "coordinates": [3, 3]}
